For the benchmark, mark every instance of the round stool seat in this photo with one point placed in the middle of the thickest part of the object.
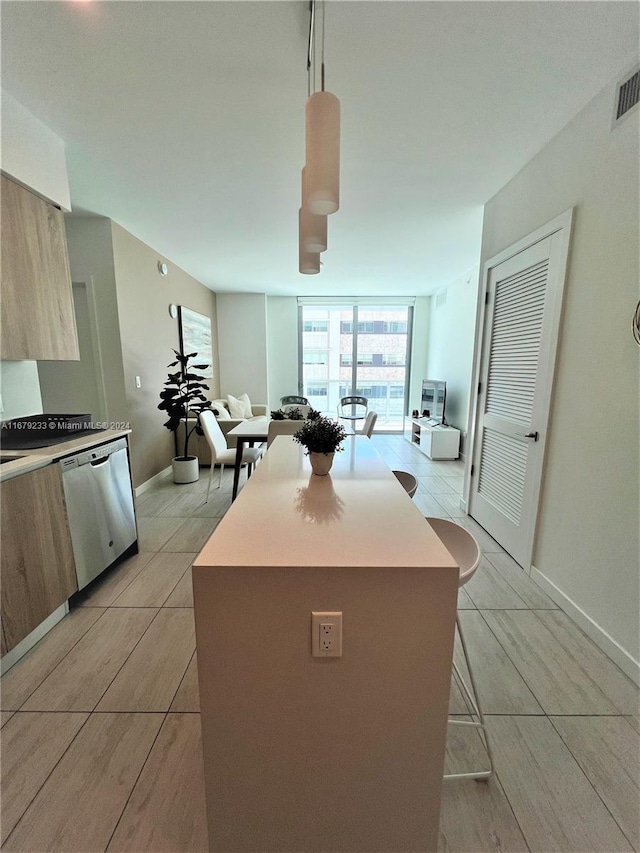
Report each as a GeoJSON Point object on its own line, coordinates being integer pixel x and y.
{"type": "Point", "coordinates": [460, 544]}
{"type": "Point", "coordinates": [407, 481]}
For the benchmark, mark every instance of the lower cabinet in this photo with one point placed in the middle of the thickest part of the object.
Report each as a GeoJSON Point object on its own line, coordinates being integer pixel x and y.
{"type": "Point", "coordinates": [38, 570]}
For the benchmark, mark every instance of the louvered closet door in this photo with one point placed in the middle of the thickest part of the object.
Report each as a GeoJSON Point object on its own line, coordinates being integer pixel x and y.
{"type": "Point", "coordinates": [521, 319]}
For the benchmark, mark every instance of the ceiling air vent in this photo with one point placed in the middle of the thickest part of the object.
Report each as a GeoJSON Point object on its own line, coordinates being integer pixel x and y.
{"type": "Point", "coordinates": [628, 95]}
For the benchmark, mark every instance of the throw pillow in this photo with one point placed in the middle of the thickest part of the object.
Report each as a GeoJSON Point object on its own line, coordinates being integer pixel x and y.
{"type": "Point", "coordinates": [240, 407]}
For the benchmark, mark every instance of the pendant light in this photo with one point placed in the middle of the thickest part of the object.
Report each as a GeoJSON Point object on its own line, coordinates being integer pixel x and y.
{"type": "Point", "coordinates": [308, 262]}
{"type": "Point", "coordinates": [322, 146]}
{"type": "Point", "coordinates": [313, 227]}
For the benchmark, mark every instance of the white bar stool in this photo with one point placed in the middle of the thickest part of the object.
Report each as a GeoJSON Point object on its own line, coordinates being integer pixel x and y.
{"type": "Point", "coordinates": [465, 550]}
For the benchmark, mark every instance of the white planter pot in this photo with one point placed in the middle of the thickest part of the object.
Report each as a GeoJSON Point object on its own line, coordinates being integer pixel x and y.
{"type": "Point", "coordinates": [321, 463]}
{"type": "Point", "coordinates": [185, 470]}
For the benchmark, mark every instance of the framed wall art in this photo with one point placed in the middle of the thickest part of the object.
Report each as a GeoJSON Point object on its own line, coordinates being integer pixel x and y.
{"type": "Point", "coordinates": [195, 336]}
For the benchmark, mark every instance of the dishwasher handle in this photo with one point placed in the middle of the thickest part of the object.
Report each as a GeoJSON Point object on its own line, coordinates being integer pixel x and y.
{"type": "Point", "coordinates": [98, 463]}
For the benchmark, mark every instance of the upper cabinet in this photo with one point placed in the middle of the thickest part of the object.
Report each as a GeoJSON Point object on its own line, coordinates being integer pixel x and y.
{"type": "Point", "coordinates": [38, 321]}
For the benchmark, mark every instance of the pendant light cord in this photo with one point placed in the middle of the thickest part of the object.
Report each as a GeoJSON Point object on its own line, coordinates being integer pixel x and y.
{"type": "Point", "coordinates": [311, 48]}
{"type": "Point", "coordinates": [324, 4]}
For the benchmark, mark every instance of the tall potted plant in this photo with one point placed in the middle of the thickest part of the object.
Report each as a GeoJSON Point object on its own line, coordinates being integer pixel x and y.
{"type": "Point", "coordinates": [322, 437]}
{"type": "Point", "coordinates": [183, 394]}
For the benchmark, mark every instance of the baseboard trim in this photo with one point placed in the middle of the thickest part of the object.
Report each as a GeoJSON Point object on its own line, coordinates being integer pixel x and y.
{"type": "Point", "coordinates": [600, 637]}
{"type": "Point", "coordinates": [34, 637]}
{"type": "Point", "coordinates": [140, 490]}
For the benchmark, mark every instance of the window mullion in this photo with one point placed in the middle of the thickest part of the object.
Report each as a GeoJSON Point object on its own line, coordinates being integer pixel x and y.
{"type": "Point", "coordinates": [354, 351]}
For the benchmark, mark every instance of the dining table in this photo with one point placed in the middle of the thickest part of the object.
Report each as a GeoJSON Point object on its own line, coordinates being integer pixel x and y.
{"type": "Point", "coordinates": [305, 753]}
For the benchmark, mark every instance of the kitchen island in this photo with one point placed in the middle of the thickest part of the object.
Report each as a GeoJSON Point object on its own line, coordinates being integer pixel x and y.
{"type": "Point", "coordinates": [305, 753]}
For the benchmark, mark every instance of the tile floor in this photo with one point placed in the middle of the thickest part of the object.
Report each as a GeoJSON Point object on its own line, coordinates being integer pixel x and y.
{"type": "Point", "coordinates": [100, 725]}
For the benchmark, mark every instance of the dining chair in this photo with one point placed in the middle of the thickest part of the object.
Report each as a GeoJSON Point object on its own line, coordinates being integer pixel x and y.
{"type": "Point", "coordinates": [294, 399]}
{"type": "Point", "coordinates": [220, 454]}
{"type": "Point", "coordinates": [282, 428]}
{"type": "Point", "coordinates": [353, 408]}
{"type": "Point", "coordinates": [407, 481]}
{"type": "Point", "coordinates": [465, 550]}
{"type": "Point", "coordinates": [369, 423]}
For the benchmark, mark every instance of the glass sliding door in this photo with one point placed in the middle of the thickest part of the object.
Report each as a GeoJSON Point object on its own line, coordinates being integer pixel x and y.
{"type": "Point", "coordinates": [381, 372]}
{"type": "Point", "coordinates": [322, 353]}
{"type": "Point", "coordinates": [356, 349]}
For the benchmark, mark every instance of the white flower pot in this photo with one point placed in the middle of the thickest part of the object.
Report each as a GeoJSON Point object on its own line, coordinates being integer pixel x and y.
{"type": "Point", "coordinates": [185, 470]}
{"type": "Point", "coordinates": [321, 463]}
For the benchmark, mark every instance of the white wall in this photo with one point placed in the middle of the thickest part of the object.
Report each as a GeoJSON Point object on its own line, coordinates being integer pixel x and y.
{"type": "Point", "coordinates": [20, 389]}
{"type": "Point", "coordinates": [451, 334]}
{"type": "Point", "coordinates": [282, 347]}
{"type": "Point", "coordinates": [587, 536]}
{"type": "Point", "coordinates": [419, 350]}
{"type": "Point", "coordinates": [242, 345]}
{"type": "Point", "coordinates": [33, 154]}
{"type": "Point", "coordinates": [91, 261]}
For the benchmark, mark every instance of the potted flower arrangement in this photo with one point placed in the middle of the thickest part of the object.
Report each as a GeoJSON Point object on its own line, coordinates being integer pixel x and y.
{"type": "Point", "coordinates": [183, 394]}
{"type": "Point", "coordinates": [293, 414]}
{"type": "Point", "coordinates": [322, 437]}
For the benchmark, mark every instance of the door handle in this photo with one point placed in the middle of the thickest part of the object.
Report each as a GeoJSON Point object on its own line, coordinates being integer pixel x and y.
{"type": "Point", "coordinates": [533, 435]}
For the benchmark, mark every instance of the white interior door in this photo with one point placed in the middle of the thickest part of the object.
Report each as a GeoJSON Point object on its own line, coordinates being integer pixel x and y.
{"type": "Point", "coordinates": [524, 287]}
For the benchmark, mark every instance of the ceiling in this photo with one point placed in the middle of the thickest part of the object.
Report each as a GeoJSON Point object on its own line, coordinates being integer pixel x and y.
{"type": "Point", "coordinates": [184, 122]}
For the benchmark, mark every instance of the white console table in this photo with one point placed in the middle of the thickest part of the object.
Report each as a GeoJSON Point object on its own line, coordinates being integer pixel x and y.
{"type": "Point", "coordinates": [436, 442]}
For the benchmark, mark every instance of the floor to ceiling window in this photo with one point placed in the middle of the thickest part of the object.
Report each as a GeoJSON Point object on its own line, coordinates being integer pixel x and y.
{"type": "Point", "coordinates": [356, 349]}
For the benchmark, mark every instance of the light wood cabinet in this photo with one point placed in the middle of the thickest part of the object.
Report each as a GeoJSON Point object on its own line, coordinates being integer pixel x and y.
{"type": "Point", "coordinates": [38, 321]}
{"type": "Point", "coordinates": [38, 570]}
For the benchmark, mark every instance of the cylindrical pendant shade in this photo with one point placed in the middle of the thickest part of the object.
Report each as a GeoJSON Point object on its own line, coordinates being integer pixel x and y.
{"type": "Point", "coordinates": [309, 262]}
{"type": "Point", "coordinates": [313, 227]}
{"type": "Point", "coordinates": [322, 143]}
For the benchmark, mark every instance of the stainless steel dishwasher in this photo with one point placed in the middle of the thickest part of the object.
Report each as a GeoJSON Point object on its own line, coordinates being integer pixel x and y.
{"type": "Point", "coordinates": [97, 489]}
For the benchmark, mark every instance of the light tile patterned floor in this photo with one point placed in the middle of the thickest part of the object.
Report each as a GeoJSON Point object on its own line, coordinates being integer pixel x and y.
{"type": "Point", "coordinates": [100, 725]}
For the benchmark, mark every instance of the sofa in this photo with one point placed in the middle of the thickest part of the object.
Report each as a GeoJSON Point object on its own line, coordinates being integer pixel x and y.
{"type": "Point", "coordinates": [198, 444]}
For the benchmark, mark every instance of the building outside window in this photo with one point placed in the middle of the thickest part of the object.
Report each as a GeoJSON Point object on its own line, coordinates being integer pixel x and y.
{"type": "Point", "coordinates": [391, 359]}
{"type": "Point", "coordinates": [315, 326]}
{"type": "Point", "coordinates": [315, 356]}
{"type": "Point", "coordinates": [315, 389]}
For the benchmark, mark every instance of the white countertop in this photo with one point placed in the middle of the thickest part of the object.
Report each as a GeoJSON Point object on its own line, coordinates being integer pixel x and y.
{"type": "Point", "coordinates": [38, 457]}
{"type": "Point", "coordinates": [358, 515]}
